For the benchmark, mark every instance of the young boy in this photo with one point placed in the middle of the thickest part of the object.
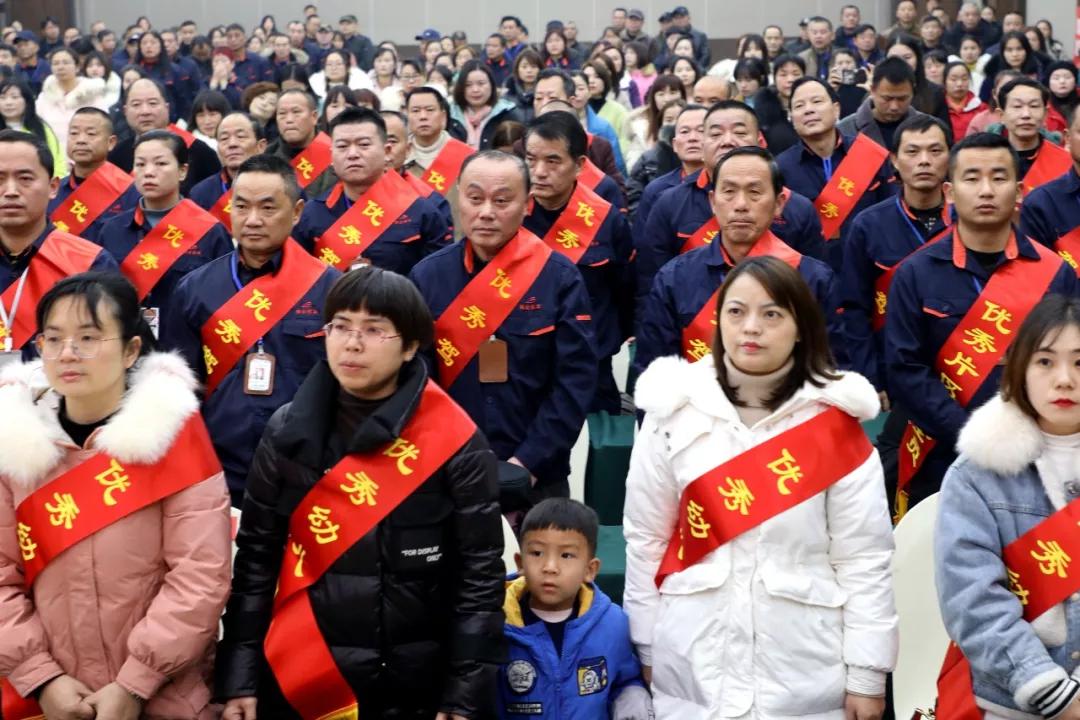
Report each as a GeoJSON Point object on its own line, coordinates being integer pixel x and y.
{"type": "Point", "coordinates": [570, 652]}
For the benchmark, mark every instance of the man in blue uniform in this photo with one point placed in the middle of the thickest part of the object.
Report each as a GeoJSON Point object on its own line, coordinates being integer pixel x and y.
{"type": "Point", "coordinates": [239, 136]}
{"type": "Point", "coordinates": [298, 125]}
{"type": "Point", "coordinates": [1052, 211]}
{"type": "Point", "coordinates": [247, 68]}
{"type": "Point", "coordinates": [981, 266]}
{"type": "Point", "coordinates": [748, 197]}
{"type": "Point", "coordinates": [555, 147]}
{"type": "Point", "coordinates": [530, 385]}
{"type": "Point", "coordinates": [397, 138]}
{"type": "Point", "coordinates": [360, 156]}
{"type": "Point", "coordinates": [265, 204]}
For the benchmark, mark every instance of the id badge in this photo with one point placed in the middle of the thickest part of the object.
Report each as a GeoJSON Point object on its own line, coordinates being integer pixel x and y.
{"type": "Point", "coordinates": [10, 357]}
{"type": "Point", "coordinates": [259, 368]}
{"type": "Point", "coordinates": [494, 362]}
{"type": "Point", "coordinates": [152, 316]}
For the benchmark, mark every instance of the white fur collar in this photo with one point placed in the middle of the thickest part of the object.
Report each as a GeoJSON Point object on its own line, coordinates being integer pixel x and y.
{"type": "Point", "coordinates": [669, 383]}
{"type": "Point", "coordinates": [159, 400]}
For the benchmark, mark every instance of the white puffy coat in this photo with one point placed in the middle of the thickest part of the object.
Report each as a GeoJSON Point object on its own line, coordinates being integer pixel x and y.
{"type": "Point", "coordinates": [783, 620]}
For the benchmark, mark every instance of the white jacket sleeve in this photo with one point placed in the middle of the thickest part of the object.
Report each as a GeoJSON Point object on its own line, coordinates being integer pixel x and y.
{"type": "Point", "coordinates": [861, 552]}
{"type": "Point", "coordinates": [649, 518]}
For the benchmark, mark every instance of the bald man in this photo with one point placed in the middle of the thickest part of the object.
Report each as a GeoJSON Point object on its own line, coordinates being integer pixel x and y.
{"type": "Point", "coordinates": [710, 90]}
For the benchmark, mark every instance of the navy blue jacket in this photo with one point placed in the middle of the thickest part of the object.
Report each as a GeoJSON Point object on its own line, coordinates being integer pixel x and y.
{"type": "Point", "coordinates": [608, 275]}
{"type": "Point", "coordinates": [127, 200]}
{"type": "Point", "coordinates": [417, 232]}
{"type": "Point", "coordinates": [930, 293]}
{"type": "Point", "coordinates": [682, 209]}
{"type": "Point", "coordinates": [252, 69]}
{"type": "Point", "coordinates": [1052, 210]}
{"type": "Point", "coordinates": [648, 198]}
{"type": "Point", "coordinates": [34, 76]}
{"type": "Point", "coordinates": [209, 190]}
{"type": "Point", "coordinates": [804, 172]}
{"type": "Point", "coordinates": [880, 237]}
{"type": "Point", "coordinates": [179, 85]}
{"type": "Point", "coordinates": [121, 235]}
{"type": "Point", "coordinates": [537, 415]}
{"type": "Point", "coordinates": [683, 286]}
{"type": "Point", "coordinates": [437, 200]}
{"type": "Point", "coordinates": [596, 664]}
{"type": "Point", "coordinates": [608, 189]}
{"type": "Point", "coordinates": [235, 419]}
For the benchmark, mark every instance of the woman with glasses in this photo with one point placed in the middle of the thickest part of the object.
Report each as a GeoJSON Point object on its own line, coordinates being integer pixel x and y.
{"type": "Point", "coordinates": [115, 553]}
{"type": "Point", "coordinates": [382, 601]}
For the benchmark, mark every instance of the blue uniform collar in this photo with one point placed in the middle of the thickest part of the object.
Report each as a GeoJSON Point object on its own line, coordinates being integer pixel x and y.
{"type": "Point", "coordinates": [1072, 181]}
{"type": "Point", "coordinates": [842, 145]}
{"type": "Point", "coordinates": [949, 249]}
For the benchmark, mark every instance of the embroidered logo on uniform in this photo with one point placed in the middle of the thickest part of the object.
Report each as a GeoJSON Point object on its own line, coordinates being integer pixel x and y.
{"type": "Point", "coordinates": [308, 308]}
{"type": "Point", "coordinates": [530, 304]}
{"type": "Point", "coordinates": [591, 676]}
{"type": "Point", "coordinates": [521, 676]}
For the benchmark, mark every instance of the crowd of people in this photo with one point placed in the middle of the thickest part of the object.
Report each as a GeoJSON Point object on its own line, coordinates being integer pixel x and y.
{"type": "Point", "coordinates": [294, 326]}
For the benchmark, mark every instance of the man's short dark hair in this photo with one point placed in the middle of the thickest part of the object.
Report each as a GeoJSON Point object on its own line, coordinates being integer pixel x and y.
{"type": "Point", "coordinates": [980, 141]}
{"type": "Point", "coordinates": [807, 79]}
{"type": "Point", "coordinates": [312, 102]}
{"type": "Point", "coordinates": [359, 116]}
{"type": "Point", "coordinates": [562, 514]}
{"type": "Point", "coordinates": [785, 59]}
{"type": "Point", "coordinates": [895, 70]}
{"type": "Point", "coordinates": [235, 26]}
{"type": "Point", "coordinates": [560, 126]}
{"type": "Point", "coordinates": [515, 18]}
{"type": "Point", "coordinates": [386, 294]}
{"type": "Point", "coordinates": [860, 29]}
{"type": "Point", "coordinates": [256, 126]}
{"type": "Point", "coordinates": [96, 112]}
{"type": "Point", "coordinates": [919, 124]}
{"type": "Point", "coordinates": [568, 82]}
{"type": "Point", "coordinates": [44, 155]}
{"type": "Point", "coordinates": [1022, 81]}
{"type": "Point", "coordinates": [931, 19]}
{"type": "Point", "coordinates": [188, 22]}
{"type": "Point", "coordinates": [395, 114]}
{"type": "Point", "coordinates": [429, 90]}
{"type": "Point", "coordinates": [501, 39]}
{"type": "Point", "coordinates": [720, 105]}
{"type": "Point", "coordinates": [819, 19]}
{"type": "Point", "coordinates": [776, 176]}
{"type": "Point", "coordinates": [272, 165]}
{"type": "Point", "coordinates": [498, 156]}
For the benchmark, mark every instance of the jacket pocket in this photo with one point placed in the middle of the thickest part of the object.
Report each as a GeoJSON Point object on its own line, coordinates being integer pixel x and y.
{"type": "Point", "coordinates": [418, 533]}
{"type": "Point", "coordinates": [942, 307]}
{"type": "Point", "coordinates": [302, 342]}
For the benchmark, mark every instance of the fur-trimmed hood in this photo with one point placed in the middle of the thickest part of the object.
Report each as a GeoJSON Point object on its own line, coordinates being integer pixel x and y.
{"type": "Point", "coordinates": [88, 91]}
{"type": "Point", "coordinates": [159, 400]}
{"type": "Point", "coordinates": [670, 383]}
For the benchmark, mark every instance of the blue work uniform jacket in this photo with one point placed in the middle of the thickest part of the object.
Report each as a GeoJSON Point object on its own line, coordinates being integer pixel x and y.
{"type": "Point", "coordinates": [122, 235]}
{"type": "Point", "coordinates": [235, 419]}
{"type": "Point", "coordinates": [209, 190]}
{"type": "Point", "coordinates": [1052, 210]}
{"type": "Point", "coordinates": [880, 237]}
{"type": "Point", "coordinates": [252, 69]}
{"type": "Point", "coordinates": [683, 286]}
{"type": "Point", "coordinates": [127, 200]}
{"type": "Point", "coordinates": [609, 190]}
{"type": "Point", "coordinates": [596, 664]}
{"type": "Point", "coordinates": [930, 293]}
{"type": "Point", "coordinates": [805, 173]}
{"type": "Point", "coordinates": [648, 198]}
{"type": "Point", "coordinates": [536, 416]}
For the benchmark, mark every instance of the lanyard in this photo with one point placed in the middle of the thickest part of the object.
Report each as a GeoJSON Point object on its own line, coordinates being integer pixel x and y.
{"type": "Point", "coordinates": [240, 286]}
{"type": "Point", "coordinates": [978, 285]}
{"type": "Point", "coordinates": [827, 164]}
{"type": "Point", "coordinates": [8, 319]}
{"type": "Point", "coordinates": [903, 214]}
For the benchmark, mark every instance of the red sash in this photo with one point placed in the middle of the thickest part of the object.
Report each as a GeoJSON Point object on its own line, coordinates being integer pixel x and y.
{"type": "Point", "coordinates": [60, 255]}
{"type": "Point", "coordinates": [346, 504]}
{"type": "Point", "coordinates": [313, 160]}
{"type": "Point", "coordinates": [1051, 162]}
{"type": "Point", "coordinates": [176, 233]}
{"type": "Point", "coordinates": [590, 175]}
{"type": "Point", "coordinates": [222, 209]}
{"type": "Point", "coordinates": [1037, 571]}
{"type": "Point", "coordinates": [884, 282]}
{"type": "Point", "coordinates": [697, 337]}
{"type": "Point", "coordinates": [236, 326]}
{"type": "Point", "coordinates": [365, 221]}
{"type": "Point", "coordinates": [481, 307]}
{"type": "Point", "coordinates": [577, 226]}
{"type": "Point", "coordinates": [762, 482]}
{"type": "Point", "coordinates": [92, 495]}
{"type": "Point", "coordinates": [1068, 247]}
{"type": "Point", "coordinates": [977, 345]}
{"type": "Point", "coordinates": [446, 167]}
{"type": "Point", "coordinates": [848, 184]}
{"type": "Point", "coordinates": [94, 196]}
{"type": "Point", "coordinates": [422, 189]}
{"type": "Point", "coordinates": [702, 236]}
{"type": "Point", "coordinates": [184, 135]}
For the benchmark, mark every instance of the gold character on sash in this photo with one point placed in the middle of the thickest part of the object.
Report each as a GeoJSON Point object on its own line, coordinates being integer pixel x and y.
{"type": "Point", "coordinates": [787, 470]}
{"type": "Point", "coordinates": [447, 351]}
{"type": "Point", "coordinates": [568, 239]}
{"type": "Point", "coordinates": [914, 444]}
{"type": "Point", "coordinates": [299, 552]}
{"type": "Point", "coordinates": [228, 331]}
{"type": "Point", "coordinates": [350, 234]}
{"type": "Point", "coordinates": [708, 237]}
{"type": "Point", "coordinates": [829, 210]}
{"type": "Point", "coordinates": [209, 360]}
{"type": "Point", "coordinates": [980, 340]}
{"type": "Point", "coordinates": [174, 235]}
{"type": "Point", "coordinates": [79, 210]}
{"type": "Point", "coordinates": [998, 315]}
{"type": "Point", "coordinates": [148, 261]}
{"type": "Point", "coordinates": [501, 282]}
{"type": "Point", "coordinates": [738, 496]}
{"type": "Point", "coordinates": [698, 349]}
{"type": "Point", "coordinates": [113, 480]}
{"type": "Point", "coordinates": [881, 300]}
{"type": "Point", "coordinates": [228, 207]}
{"type": "Point", "coordinates": [1053, 559]}
{"type": "Point", "coordinates": [1016, 588]}
{"type": "Point", "coordinates": [62, 226]}
{"type": "Point", "coordinates": [64, 511]}
{"type": "Point", "coordinates": [361, 489]}
{"type": "Point", "coordinates": [951, 386]}
{"type": "Point", "coordinates": [328, 256]}
{"type": "Point", "coordinates": [436, 180]}
{"type": "Point", "coordinates": [27, 546]}
{"type": "Point", "coordinates": [963, 364]}
{"type": "Point", "coordinates": [474, 317]}
{"type": "Point", "coordinates": [324, 531]}
{"type": "Point", "coordinates": [1068, 258]}
{"type": "Point", "coordinates": [306, 168]}
{"type": "Point", "coordinates": [847, 186]}
{"type": "Point", "coordinates": [373, 211]}
{"type": "Point", "coordinates": [695, 518]}
{"type": "Point", "coordinates": [259, 304]}
{"type": "Point", "coordinates": [586, 213]}
{"type": "Point", "coordinates": [403, 450]}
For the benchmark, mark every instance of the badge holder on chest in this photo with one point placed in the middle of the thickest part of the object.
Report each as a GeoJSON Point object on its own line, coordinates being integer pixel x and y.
{"type": "Point", "coordinates": [259, 366]}
{"type": "Point", "coordinates": [8, 353]}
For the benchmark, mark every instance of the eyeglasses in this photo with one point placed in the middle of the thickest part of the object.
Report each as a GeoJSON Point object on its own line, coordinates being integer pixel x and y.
{"type": "Point", "coordinates": [365, 335]}
{"type": "Point", "coordinates": [85, 347]}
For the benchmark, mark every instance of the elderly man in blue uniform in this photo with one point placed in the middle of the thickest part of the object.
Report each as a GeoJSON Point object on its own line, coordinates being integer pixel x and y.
{"type": "Point", "coordinates": [239, 136]}
{"type": "Point", "coordinates": [513, 336]}
{"type": "Point", "coordinates": [573, 220]}
{"type": "Point", "coordinates": [678, 315]}
{"type": "Point", "coordinates": [955, 305]}
{"type": "Point", "coordinates": [372, 215]}
{"type": "Point", "coordinates": [682, 218]}
{"type": "Point", "coordinates": [1051, 212]}
{"type": "Point", "coordinates": [250, 323]}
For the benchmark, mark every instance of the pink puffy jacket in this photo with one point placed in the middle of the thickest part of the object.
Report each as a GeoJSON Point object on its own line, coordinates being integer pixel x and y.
{"type": "Point", "coordinates": [137, 603]}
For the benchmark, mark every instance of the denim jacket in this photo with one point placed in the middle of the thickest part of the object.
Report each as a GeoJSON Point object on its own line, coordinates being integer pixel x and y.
{"type": "Point", "coordinates": [993, 494]}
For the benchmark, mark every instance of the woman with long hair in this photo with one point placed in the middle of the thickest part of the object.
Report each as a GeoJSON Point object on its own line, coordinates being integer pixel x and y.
{"type": "Point", "coordinates": [646, 120]}
{"type": "Point", "coordinates": [383, 73]}
{"type": "Point", "coordinates": [521, 84]}
{"type": "Point", "coordinates": [640, 67]}
{"type": "Point", "coordinates": [555, 51]}
{"type": "Point", "coordinates": [477, 105]}
{"type": "Point", "coordinates": [209, 107]}
{"type": "Point", "coordinates": [687, 70]}
{"type": "Point", "coordinates": [1060, 78]}
{"type": "Point", "coordinates": [929, 97]}
{"type": "Point", "coordinates": [338, 69]}
{"type": "Point", "coordinates": [1054, 48]}
{"type": "Point", "coordinates": [1015, 54]}
{"type": "Point", "coordinates": [18, 112]}
{"type": "Point", "coordinates": [153, 60]}
{"type": "Point", "coordinates": [95, 65]}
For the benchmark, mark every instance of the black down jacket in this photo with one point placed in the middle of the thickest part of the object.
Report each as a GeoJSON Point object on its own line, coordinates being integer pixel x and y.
{"type": "Point", "coordinates": [411, 637]}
